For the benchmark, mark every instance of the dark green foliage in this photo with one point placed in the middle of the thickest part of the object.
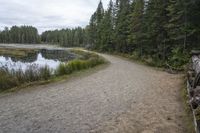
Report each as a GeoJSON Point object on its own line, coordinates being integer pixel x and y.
{"type": "Point", "coordinates": [95, 29]}
{"type": "Point", "coordinates": [122, 26]}
{"type": "Point", "coordinates": [23, 34]}
{"type": "Point", "coordinates": [107, 25]}
{"type": "Point", "coordinates": [151, 30]}
{"type": "Point", "coordinates": [178, 59]}
{"type": "Point", "coordinates": [65, 37]}
{"type": "Point", "coordinates": [136, 27]}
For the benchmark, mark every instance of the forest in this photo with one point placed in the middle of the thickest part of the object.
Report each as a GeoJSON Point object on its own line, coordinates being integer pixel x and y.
{"type": "Point", "coordinates": [162, 32]}
{"type": "Point", "coordinates": [22, 34]}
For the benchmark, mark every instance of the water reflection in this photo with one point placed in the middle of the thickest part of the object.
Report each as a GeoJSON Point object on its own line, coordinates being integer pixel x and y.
{"type": "Point", "coordinates": [39, 62]}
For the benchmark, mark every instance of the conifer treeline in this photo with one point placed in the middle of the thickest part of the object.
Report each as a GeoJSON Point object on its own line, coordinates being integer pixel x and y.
{"type": "Point", "coordinates": [65, 37]}
{"type": "Point", "coordinates": [22, 34]}
{"type": "Point", "coordinates": [160, 30]}
{"type": "Point", "coordinates": [156, 25]}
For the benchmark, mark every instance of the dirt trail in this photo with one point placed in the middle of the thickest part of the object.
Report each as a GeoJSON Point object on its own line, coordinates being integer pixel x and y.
{"type": "Point", "coordinates": [123, 98]}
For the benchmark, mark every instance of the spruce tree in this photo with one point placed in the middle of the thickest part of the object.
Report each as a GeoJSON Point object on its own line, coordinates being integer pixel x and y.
{"type": "Point", "coordinates": [122, 26]}
{"type": "Point", "coordinates": [136, 27]}
{"type": "Point", "coordinates": [107, 26]}
{"type": "Point", "coordinates": [155, 31]}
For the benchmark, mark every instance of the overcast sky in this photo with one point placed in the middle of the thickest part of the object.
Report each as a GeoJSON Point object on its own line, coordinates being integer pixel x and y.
{"type": "Point", "coordinates": [47, 14]}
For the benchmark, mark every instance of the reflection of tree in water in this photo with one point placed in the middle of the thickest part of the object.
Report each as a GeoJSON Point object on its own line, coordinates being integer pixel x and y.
{"type": "Point", "coordinates": [60, 55]}
{"type": "Point", "coordinates": [30, 57]}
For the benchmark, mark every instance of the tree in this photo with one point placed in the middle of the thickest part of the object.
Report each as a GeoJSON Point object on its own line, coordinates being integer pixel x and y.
{"type": "Point", "coordinates": [122, 26]}
{"type": "Point", "coordinates": [156, 34]}
{"type": "Point", "coordinates": [107, 26]}
{"type": "Point", "coordinates": [178, 24]}
{"type": "Point", "coordinates": [99, 18]}
{"type": "Point", "coordinates": [136, 36]}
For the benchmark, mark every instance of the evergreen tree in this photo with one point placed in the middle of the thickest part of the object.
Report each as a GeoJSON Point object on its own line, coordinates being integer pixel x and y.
{"type": "Point", "coordinates": [122, 25]}
{"type": "Point", "coordinates": [99, 18]}
{"type": "Point", "coordinates": [107, 26]}
{"type": "Point", "coordinates": [136, 36]}
{"type": "Point", "coordinates": [178, 24]}
{"type": "Point", "coordinates": [156, 34]}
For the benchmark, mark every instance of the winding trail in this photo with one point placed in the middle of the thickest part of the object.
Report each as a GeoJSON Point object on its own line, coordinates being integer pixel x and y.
{"type": "Point", "coordinates": [125, 97]}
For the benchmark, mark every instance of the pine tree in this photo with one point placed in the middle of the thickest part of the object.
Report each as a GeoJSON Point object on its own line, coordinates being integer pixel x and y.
{"type": "Point", "coordinates": [122, 26]}
{"type": "Point", "coordinates": [92, 31]}
{"type": "Point", "coordinates": [107, 26]}
{"type": "Point", "coordinates": [156, 34]}
{"type": "Point", "coordinates": [136, 36]}
{"type": "Point", "coordinates": [99, 18]}
{"type": "Point", "coordinates": [178, 23]}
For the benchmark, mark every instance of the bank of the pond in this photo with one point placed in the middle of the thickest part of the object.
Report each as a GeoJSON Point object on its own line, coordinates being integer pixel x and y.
{"type": "Point", "coordinates": [15, 78]}
{"type": "Point", "coordinates": [17, 52]}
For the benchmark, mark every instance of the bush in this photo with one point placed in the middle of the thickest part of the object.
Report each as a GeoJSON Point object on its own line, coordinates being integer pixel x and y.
{"type": "Point", "coordinates": [178, 58]}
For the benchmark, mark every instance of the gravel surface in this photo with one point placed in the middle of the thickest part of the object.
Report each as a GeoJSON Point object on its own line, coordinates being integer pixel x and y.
{"type": "Point", "coordinates": [125, 97]}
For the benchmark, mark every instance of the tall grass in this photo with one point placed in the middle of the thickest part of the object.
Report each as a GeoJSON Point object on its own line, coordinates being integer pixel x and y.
{"type": "Point", "coordinates": [14, 78]}
{"type": "Point", "coordinates": [79, 64]}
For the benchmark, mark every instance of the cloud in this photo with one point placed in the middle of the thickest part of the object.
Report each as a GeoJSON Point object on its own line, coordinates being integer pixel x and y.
{"type": "Point", "coordinates": [47, 14]}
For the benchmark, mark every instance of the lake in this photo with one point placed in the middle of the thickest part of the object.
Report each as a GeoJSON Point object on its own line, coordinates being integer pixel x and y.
{"type": "Point", "coordinates": [39, 59]}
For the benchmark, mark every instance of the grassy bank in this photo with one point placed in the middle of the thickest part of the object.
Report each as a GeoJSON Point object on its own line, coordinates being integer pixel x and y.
{"type": "Point", "coordinates": [19, 52]}
{"type": "Point", "coordinates": [14, 78]}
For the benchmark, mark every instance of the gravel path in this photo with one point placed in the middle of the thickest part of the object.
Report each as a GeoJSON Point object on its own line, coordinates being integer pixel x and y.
{"type": "Point", "coordinates": [125, 97]}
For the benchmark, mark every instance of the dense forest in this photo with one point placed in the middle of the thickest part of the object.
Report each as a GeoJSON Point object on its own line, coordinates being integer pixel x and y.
{"type": "Point", "coordinates": [162, 32]}
{"type": "Point", "coordinates": [66, 37]}
{"type": "Point", "coordinates": [159, 31]}
{"type": "Point", "coordinates": [22, 34]}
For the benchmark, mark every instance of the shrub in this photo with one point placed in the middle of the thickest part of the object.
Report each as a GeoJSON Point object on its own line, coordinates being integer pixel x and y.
{"type": "Point", "coordinates": [178, 58]}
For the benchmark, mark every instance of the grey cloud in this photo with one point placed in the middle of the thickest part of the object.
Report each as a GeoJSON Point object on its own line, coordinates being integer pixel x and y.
{"type": "Point", "coordinates": [47, 14]}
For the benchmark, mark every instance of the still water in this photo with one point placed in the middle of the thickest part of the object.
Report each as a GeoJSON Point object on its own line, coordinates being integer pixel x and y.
{"type": "Point", "coordinates": [38, 60]}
